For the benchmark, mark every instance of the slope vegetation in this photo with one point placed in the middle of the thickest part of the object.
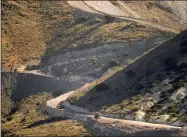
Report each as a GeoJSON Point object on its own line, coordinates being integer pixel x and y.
{"type": "Point", "coordinates": [151, 89]}
{"type": "Point", "coordinates": [32, 31]}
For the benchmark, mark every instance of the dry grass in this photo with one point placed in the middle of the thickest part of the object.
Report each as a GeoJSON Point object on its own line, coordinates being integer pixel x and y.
{"type": "Point", "coordinates": [24, 34]}
{"type": "Point", "coordinates": [32, 30]}
{"type": "Point", "coordinates": [116, 32]}
{"type": "Point", "coordinates": [22, 38]}
{"type": "Point", "coordinates": [125, 106]}
{"type": "Point", "coordinates": [150, 11]}
{"type": "Point", "coordinates": [27, 114]}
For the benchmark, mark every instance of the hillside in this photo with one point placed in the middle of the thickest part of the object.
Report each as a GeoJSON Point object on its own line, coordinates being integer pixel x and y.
{"type": "Point", "coordinates": [151, 89]}
{"type": "Point", "coordinates": [170, 13]}
{"type": "Point", "coordinates": [51, 27]}
{"type": "Point", "coordinates": [129, 54]}
{"type": "Point", "coordinates": [28, 121]}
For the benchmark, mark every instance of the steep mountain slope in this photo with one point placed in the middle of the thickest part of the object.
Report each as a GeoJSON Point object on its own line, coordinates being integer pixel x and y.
{"type": "Point", "coordinates": [152, 89]}
{"type": "Point", "coordinates": [32, 31]}
{"type": "Point", "coordinates": [23, 27]}
{"type": "Point", "coordinates": [27, 121]}
{"type": "Point", "coordinates": [155, 12]}
{"type": "Point", "coordinates": [168, 13]}
{"type": "Point", "coordinates": [71, 45]}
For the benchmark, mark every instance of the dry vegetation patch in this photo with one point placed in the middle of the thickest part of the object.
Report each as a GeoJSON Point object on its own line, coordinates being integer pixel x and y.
{"type": "Point", "coordinates": [32, 30]}
{"type": "Point", "coordinates": [20, 123]}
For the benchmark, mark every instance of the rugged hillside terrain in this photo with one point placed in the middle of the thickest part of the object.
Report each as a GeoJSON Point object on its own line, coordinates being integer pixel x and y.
{"type": "Point", "coordinates": [151, 89]}
{"type": "Point", "coordinates": [50, 27]}
{"type": "Point", "coordinates": [168, 13]}
{"type": "Point", "coordinates": [57, 48]}
{"type": "Point", "coordinates": [26, 121]}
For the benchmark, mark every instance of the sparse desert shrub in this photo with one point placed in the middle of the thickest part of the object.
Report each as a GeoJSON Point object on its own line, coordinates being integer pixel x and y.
{"type": "Point", "coordinates": [65, 70]}
{"type": "Point", "coordinates": [113, 62]}
{"type": "Point", "coordinates": [94, 60]}
{"type": "Point", "coordinates": [66, 11]}
{"type": "Point", "coordinates": [79, 26]}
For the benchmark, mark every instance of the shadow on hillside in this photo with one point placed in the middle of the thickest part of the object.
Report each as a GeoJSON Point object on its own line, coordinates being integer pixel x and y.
{"type": "Point", "coordinates": [21, 85]}
{"type": "Point", "coordinates": [45, 121]}
{"type": "Point", "coordinates": [165, 62]}
{"type": "Point", "coordinates": [64, 36]}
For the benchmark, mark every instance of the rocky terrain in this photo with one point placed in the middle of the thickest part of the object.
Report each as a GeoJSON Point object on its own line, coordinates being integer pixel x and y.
{"type": "Point", "coordinates": [128, 53]}
{"type": "Point", "coordinates": [154, 91]}
{"type": "Point", "coordinates": [57, 28]}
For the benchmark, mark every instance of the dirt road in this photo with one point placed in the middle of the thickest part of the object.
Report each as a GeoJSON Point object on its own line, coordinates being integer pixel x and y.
{"type": "Point", "coordinates": [106, 8]}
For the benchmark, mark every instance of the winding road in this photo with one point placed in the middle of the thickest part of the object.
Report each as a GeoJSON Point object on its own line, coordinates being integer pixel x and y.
{"type": "Point", "coordinates": [107, 8]}
{"type": "Point", "coordinates": [54, 111]}
{"type": "Point", "coordinates": [53, 103]}
{"type": "Point", "coordinates": [56, 101]}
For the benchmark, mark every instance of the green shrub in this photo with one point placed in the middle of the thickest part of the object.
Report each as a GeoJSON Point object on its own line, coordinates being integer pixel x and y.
{"type": "Point", "coordinates": [94, 60]}
{"type": "Point", "coordinates": [79, 26]}
{"type": "Point", "coordinates": [65, 70]}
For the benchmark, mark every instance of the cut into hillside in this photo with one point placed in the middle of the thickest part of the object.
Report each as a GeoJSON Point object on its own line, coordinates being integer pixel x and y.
{"type": "Point", "coordinates": [152, 88]}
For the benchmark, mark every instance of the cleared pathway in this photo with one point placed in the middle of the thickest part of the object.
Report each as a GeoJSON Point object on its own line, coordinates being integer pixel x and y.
{"type": "Point", "coordinates": [54, 103]}
{"type": "Point", "coordinates": [107, 8]}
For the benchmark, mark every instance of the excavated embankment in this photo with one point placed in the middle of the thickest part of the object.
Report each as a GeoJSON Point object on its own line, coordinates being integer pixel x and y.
{"type": "Point", "coordinates": [166, 63]}
{"type": "Point", "coordinates": [91, 63]}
